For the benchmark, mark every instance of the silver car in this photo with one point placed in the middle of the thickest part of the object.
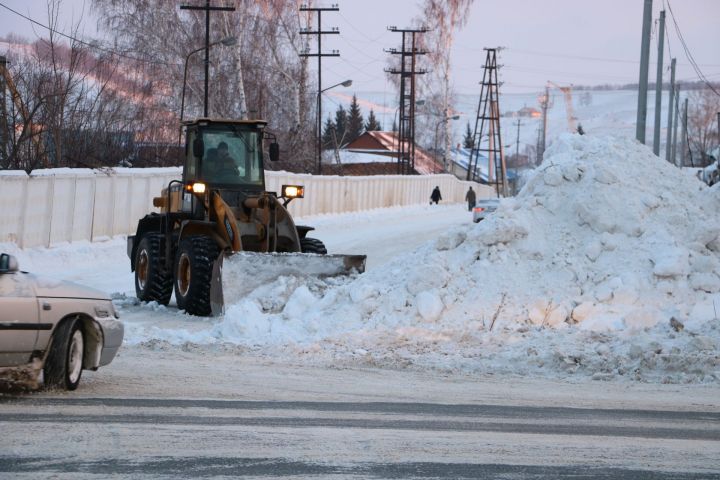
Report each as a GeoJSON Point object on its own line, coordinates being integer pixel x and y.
{"type": "Point", "coordinates": [484, 207]}
{"type": "Point", "coordinates": [57, 328]}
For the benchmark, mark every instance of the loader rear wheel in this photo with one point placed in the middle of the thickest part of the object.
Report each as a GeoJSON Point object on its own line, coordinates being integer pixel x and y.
{"type": "Point", "coordinates": [152, 281]}
{"type": "Point", "coordinates": [193, 273]}
{"type": "Point", "coordinates": [312, 245]}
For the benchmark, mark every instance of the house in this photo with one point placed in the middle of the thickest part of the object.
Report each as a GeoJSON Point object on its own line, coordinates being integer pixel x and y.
{"type": "Point", "coordinates": [379, 149]}
{"type": "Point", "coordinates": [460, 159]}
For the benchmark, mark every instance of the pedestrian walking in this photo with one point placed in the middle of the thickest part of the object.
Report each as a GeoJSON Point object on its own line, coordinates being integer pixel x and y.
{"type": "Point", "coordinates": [435, 196]}
{"type": "Point", "coordinates": [470, 198]}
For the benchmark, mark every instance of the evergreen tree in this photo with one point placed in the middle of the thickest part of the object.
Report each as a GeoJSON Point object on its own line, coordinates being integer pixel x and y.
{"type": "Point", "coordinates": [372, 124]}
{"type": "Point", "coordinates": [395, 126]}
{"type": "Point", "coordinates": [341, 121]}
{"type": "Point", "coordinates": [328, 140]}
{"type": "Point", "coordinates": [468, 139]}
{"type": "Point", "coordinates": [355, 121]}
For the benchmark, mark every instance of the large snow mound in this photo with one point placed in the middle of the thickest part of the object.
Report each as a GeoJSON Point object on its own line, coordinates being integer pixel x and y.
{"type": "Point", "coordinates": [607, 264]}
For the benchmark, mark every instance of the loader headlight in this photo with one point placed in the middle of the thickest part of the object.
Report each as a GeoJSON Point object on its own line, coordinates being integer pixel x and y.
{"type": "Point", "coordinates": [293, 191]}
{"type": "Point", "coordinates": [197, 187]}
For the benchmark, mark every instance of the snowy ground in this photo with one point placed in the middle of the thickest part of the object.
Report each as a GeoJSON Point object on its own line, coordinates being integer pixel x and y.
{"type": "Point", "coordinates": [606, 267]}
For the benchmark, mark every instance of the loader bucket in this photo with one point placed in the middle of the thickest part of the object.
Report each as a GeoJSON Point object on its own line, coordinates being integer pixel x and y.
{"type": "Point", "coordinates": [236, 275]}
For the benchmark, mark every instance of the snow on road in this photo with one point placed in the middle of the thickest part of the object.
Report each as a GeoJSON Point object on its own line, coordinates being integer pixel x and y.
{"type": "Point", "coordinates": [605, 266]}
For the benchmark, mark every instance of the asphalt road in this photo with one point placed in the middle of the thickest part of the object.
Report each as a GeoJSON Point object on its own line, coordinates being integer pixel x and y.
{"type": "Point", "coordinates": [67, 437]}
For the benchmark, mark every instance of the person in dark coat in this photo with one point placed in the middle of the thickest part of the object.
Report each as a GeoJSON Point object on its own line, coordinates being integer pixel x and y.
{"type": "Point", "coordinates": [470, 198]}
{"type": "Point", "coordinates": [435, 196]}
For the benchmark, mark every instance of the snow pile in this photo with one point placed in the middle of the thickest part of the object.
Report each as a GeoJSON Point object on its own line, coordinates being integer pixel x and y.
{"type": "Point", "coordinates": [607, 264]}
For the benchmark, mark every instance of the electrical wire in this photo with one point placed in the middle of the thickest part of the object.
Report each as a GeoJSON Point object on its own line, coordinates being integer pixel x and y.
{"type": "Point", "coordinates": [94, 46]}
{"type": "Point", "coordinates": [688, 54]}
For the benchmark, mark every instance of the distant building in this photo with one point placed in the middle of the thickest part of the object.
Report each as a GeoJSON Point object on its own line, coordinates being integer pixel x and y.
{"type": "Point", "coordinates": [375, 153]}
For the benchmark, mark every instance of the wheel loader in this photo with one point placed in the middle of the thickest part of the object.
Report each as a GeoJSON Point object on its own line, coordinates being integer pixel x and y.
{"type": "Point", "coordinates": [220, 233]}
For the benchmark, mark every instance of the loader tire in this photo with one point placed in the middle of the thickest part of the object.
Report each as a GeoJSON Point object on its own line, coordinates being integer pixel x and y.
{"type": "Point", "coordinates": [152, 281]}
{"type": "Point", "coordinates": [312, 245]}
{"type": "Point", "coordinates": [193, 274]}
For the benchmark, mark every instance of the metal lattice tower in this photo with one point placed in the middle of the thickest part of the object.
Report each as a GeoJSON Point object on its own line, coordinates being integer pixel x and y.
{"type": "Point", "coordinates": [488, 117]}
{"type": "Point", "coordinates": [406, 108]}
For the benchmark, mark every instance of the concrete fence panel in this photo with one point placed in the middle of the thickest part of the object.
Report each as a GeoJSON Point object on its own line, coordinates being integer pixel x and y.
{"type": "Point", "coordinates": [66, 205]}
{"type": "Point", "coordinates": [12, 205]}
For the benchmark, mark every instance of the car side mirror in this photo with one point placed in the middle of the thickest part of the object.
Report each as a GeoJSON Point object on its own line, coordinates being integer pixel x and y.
{"type": "Point", "coordinates": [274, 152]}
{"type": "Point", "coordinates": [198, 147]}
{"type": "Point", "coordinates": [8, 263]}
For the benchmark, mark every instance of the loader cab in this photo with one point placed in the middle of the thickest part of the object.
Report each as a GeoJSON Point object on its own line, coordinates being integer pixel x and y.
{"type": "Point", "coordinates": [225, 154]}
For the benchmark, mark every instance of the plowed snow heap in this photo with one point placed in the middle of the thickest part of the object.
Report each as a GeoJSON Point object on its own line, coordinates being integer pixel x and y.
{"type": "Point", "coordinates": [607, 263]}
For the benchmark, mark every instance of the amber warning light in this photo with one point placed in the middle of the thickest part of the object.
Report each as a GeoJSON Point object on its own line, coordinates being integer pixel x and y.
{"type": "Point", "coordinates": [293, 191]}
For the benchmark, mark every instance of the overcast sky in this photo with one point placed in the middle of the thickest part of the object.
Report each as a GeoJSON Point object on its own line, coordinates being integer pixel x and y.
{"type": "Point", "coordinates": [584, 42]}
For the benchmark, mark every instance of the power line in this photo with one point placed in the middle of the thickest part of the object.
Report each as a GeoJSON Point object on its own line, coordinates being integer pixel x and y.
{"type": "Point", "coordinates": [688, 54]}
{"type": "Point", "coordinates": [88, 44]}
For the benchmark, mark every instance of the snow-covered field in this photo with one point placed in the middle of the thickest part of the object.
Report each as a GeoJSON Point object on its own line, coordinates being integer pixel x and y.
{"type": "Point", "coordinates": [605, 266]}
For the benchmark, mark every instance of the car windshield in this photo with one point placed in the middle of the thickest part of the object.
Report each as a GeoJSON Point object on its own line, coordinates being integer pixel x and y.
{"type": "Point", "coordinates": [232, 157]}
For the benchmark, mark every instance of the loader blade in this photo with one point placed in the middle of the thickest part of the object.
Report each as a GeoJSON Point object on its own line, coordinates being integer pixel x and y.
{"type": "Point", "coordinates": [237, 275]}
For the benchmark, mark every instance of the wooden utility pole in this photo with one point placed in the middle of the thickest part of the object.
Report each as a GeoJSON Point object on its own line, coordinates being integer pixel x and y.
{"type": "Point", "coordinates": [207, 9]}
{"type": "Point", "coordinates": [319, 54]}
{"type": "Point", "coordinates": [658, 86]}
{"type": "Point", "coordinates": [488, 112]}
{"type": "Point", "coordinates": [406, 108]}
{"type": "Point", "coordinates": [644, 66]}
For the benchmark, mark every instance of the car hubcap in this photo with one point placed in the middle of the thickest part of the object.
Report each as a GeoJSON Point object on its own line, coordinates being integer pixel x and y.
{"type": "Point", "coordinates": [142, 269]}
{"type": "Point", "coordinates": [75, 357]}
{"type": "Point", "coordinates": [183, 276]}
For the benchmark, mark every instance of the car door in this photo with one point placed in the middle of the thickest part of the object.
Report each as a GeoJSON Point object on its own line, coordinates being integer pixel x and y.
{"type": "Point", "coordinates": [19, 318]}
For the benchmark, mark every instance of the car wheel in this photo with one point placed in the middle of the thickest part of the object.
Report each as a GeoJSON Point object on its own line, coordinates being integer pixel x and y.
{"type": "Point", "coordinates": [64, 363]}
{"type": "Point", "coordinates": [193, 274]}
{"type": "Point", "coordinates": [152, 282]}
{"type": "Point", "coordinates": [312, 245]}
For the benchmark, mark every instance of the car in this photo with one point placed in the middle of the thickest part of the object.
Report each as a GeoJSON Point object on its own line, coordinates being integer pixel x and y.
{"type": "Point", "coordinates": [484, 207]}
{"type": "Point", "coordinates": [54, 327]}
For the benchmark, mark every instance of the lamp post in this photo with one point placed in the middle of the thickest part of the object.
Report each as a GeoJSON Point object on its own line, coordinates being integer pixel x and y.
{"type": "Point", "coordinates": [437, 125]}
{"type": "Point", "coordinates": [229, 41]}
{"type": "Point", "coordinates": [346, 83]}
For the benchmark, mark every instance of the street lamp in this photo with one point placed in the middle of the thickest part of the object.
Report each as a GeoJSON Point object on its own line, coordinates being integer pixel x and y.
{"type": "Point", "coordinates": [229, 41]}
{"type": "Point", "coordinates": [444, 120]}
{"type": "Point", "coordinates": [346, 83]}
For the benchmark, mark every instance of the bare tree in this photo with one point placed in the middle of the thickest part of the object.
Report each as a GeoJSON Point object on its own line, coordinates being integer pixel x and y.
{"type": "Point", "coordinates": [261, 76]}
{"type": "Point", "coordinates": [443, 18]}
{"type": "Point", "coordinates": [703, 107]}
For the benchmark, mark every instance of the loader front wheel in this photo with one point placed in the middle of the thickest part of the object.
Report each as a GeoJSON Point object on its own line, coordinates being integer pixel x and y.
{"type": "Point", "coordinates": [152, 282]}
{"type": "Point", "coordinates": [193, 274]}
{"type": "Point", "coordinates": [312, 245]}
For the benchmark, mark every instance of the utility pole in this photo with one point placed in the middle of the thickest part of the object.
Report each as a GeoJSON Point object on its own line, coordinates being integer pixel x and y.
{"type": "Point", "coordinates": [517, 143]}
{"type": "Point", "coordinates": [671, 101]}
{"type": "Point", "coordinates": [543, 128]}
{"type": "Point", "coordinates": [319, 54]}
{"type": "Point", "coordinates": [675, 127]}
{"type": "Point", "coordinates": [207, 9]}
{"type": "Point", "coordinates": [684, 138]}
{"type": "Point", "coordinates": [658, 85]}
{"type": "Point", "coordinates": [644, 64]}
{"type": "Point", "coordinates": [406, 109]}
{"type": "Point", "coordinates": [4, 133]}
{"type": "Point", "coordinates": [489, 111]}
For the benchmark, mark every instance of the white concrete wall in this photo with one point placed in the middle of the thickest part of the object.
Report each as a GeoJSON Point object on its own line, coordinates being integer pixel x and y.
{"type": "Point", "coordinates": [64, 205]}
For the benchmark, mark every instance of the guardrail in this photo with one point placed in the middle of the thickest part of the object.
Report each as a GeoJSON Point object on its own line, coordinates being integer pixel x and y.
{"type": "Point", "coordinates": [66, 205]}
